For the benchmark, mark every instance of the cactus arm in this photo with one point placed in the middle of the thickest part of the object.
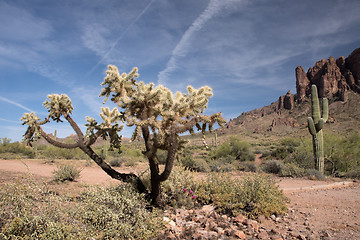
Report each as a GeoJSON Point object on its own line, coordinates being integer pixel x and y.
{"type": "Point", "coordinates": [319, 126]}
{"type": "Point", "coordinates": [325, 109]}
{"type": "Point", "coordinates": [311, 126]}
{"type": "Point", "coordinates": [55, 142]}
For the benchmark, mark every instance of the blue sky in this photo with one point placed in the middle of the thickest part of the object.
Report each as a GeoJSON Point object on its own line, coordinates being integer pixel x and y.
{"type": "Point", "coordinates": [246, 50]}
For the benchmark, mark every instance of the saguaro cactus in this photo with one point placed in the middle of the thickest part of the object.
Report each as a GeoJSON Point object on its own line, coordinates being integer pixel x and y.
{"type": "Point", "coordinates": [315, 125]}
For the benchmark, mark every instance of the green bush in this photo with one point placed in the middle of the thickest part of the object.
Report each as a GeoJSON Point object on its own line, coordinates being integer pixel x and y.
{"type": "Point", "coordinates": [66, 173]}
{"type": "Point", "coordinates": [303, 155]}
{"type": "Point", "coordinates": [272, 166]}
{"type": "Point", "coordinates": [236, 148]}
{"type": "Point", "coordinates": [342, 153]}
{"type": "Point", "coordinates": [173, 189]}
{"type": "Point", "coordinates": [222, 164]}
{"type": "Point", "coordinates": [117, 212]}
{"type": "Point", "coordinates": [314, 174]}
{"type": "Point", "coordinates": [287, 146]}
{"type": "Point", "coordinates": [252, 196]}
{"type": "Point", "coordinates": [354, 173]}
{"type": "Point", "coordinates": [116, 162]}
{"type": "Point", "coordinates": [246, 166]}
{"type": "Point", "coordinates": [291, 170]}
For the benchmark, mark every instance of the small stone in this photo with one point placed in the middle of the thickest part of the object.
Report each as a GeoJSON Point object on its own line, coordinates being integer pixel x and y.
{"type": "Point", "coordinates": [240, 218]}
{"type": "Point", "coordinates": [261, 218]}
{"type": "Point", "coordinates": [240, 234]}
{"type": "Point", "coordinates": [263, 235]}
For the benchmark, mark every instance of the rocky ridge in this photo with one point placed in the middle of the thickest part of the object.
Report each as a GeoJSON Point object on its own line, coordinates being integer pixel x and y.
{"type": "Point", "coordinates": [335, 79]}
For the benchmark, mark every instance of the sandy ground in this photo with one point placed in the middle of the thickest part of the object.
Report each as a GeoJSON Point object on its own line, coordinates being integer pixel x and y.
{"type": "Point", "coordinates": [330, 207]}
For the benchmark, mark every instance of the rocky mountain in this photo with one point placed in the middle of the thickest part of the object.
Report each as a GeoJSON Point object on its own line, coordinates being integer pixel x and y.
{"type": "Point", "coordinates": [338, 80]}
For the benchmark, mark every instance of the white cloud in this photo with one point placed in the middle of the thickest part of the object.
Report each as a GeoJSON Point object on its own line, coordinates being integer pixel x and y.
{"type": "Point", "coordinates": [19, 25]}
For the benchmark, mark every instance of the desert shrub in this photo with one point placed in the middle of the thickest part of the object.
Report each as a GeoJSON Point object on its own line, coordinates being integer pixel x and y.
{"type": "Point", "coordinates": [173, 189]}
{"type": "Point", "coordinates": [15, 150]}
{"type": "Point", "coordinates": [131, 161]}
{"type": "Point", "coordinates": [245, 166]}
{"type": "Point", "coordinates": [116, 162]}
{"type": "Point", "coordinates": [252, 196]}
{"type": "Point", "coordinates": [272, 166]}
{"type": "Point", "coordinates": [342, 153]}
{"type": "Point", "coordinates": [303, 155]}
{"type": "Point", "coordinates": [29, 211]}
{"type": "Point", "coordinates": [314, 174]}
{"type": "Point", "coordinates": [222, 164]}
{"type": "Point", "coordinates": [239, 149]}
{"type": "Point", "coordinates": [287, 146]}
{"type": "Point", "coordinates": [117, 212]}
{"type": "Point", "coordinates": [354, 173]}
{"type": "Point", "coordinates": [53, 152]}
{"type": "Point", "coordinates": [66, 172]}
{"type": "Point", "coordinates": [291, 170]}
{"type": "Point", "coordinates": [199, 165]}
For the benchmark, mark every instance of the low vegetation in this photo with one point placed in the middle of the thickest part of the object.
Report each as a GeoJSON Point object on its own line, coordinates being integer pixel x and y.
{"type": "Point", "coordinates": [30, 211]}
{"type": "Point", "coordinates": [66, 172]}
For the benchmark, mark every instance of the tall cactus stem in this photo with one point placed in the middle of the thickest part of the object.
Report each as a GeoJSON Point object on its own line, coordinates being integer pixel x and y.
{"type": "Point", "coordinates": [315, 125]}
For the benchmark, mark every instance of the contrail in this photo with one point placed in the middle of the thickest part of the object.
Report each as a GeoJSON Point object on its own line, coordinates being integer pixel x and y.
{"type": "Point", "coordinates": [180, 50]}
{"type": "Point", "coordinates": [15, 103]}
{"type": "Point", "coordinates": [120, 37]}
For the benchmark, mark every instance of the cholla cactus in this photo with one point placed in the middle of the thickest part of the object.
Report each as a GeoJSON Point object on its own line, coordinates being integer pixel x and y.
{"type": "Point", "coordinates": [315, 125]}
{"type": "Point", "coordinates": [157, 115]}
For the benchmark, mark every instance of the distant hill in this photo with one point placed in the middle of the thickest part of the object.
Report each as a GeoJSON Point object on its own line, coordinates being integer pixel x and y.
{"type": "Point", "coordinates": [338, 80]}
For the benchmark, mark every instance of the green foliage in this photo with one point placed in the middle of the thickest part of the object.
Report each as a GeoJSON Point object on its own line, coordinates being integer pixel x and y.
{"type": "Point", "coordinates": [287, 146]}
{"type": "Point", "coordinates": [272, 166]}
{"type": "Point", "coordinates": [238, 149]}
{"type": "Point", "coordinates": [173, 189]}
{"type": "Point", "coordinates": [303, 155]}
{"type": "Point", "coordinates": [52, 152]}
{"type": "Point", "coordinates": [342, 153]}
{"type": "Point", "coordinates": [354, 173]}
{"type": "Point", "coordinates": [117, 212]}
{"type": "Point", "coordinates": [222, 164]}
{"type": "Point", "coordinates": [116, 162]}
{"type": "Point", "coordinates": [194, 164]}
{"type": "Point", "coordinates": [292, 170]}
{"type": "Point", "coordinates": [10, 149]}
{"type": "Point", "coordinates": [246, 166]}
{"type": "Point", "coordinates": [252, 196]}
{"type": "Point", "coordinates": [66, 173]}
{"type": "Point", "coordinates": [29, 211]}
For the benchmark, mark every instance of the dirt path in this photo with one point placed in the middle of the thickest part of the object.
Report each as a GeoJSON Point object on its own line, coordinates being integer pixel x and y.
{"type": "Point", "coordinates": [318, 209]}
{"type": "Point", "coordinates": [88, 175]}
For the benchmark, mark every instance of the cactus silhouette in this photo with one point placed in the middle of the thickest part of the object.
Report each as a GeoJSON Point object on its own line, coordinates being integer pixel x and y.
{"type": "Point", "coordinates": [158, 116]}
{"type": "Point", "coordinates": [315, 125]}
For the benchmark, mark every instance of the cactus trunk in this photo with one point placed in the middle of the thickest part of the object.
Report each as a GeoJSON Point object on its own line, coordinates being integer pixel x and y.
{"type": "Point", "coordinates": [318, 146]}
